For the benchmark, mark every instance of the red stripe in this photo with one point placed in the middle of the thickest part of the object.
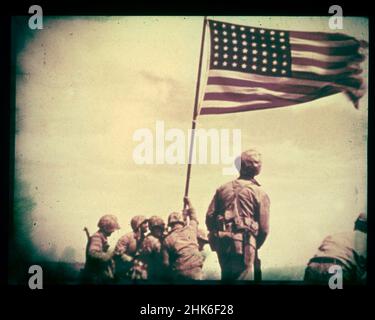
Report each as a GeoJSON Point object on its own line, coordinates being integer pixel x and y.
{"type": "Point", "coordinates": [214, 110]}
{"type": "Point", "coordinates": [332, 51]}
{"type": "Point", "coordinates": [243, 97]}
{"type": "Point", "coordinates": [275, 103]}
{"type": "Point", "coordinates": [295, 88]}
{"type": "Point", "coordinates": [342, 78]}
{"type": "Point", "coordinates": [320, 36]}
{"type": "Point", "coordinates": [326, 64]}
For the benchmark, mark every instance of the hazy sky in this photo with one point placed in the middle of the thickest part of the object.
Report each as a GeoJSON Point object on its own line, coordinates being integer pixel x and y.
{"type": "Point", "coordinates": [86, 85]}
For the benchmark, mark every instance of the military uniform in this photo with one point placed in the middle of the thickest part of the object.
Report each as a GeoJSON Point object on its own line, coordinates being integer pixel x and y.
{"type": "Point", "coordinates": [99, 267]}
{"type": "Point", "coordinates": [181, 253]}
{"type": "Point", "coordinates": [127, 249]}
{"type": "Point", "coordinates": [151, 256]}
{"type": "Point", "coordinates": [346, 249]}
{"type": "Point", "coordinates": [237, 219]}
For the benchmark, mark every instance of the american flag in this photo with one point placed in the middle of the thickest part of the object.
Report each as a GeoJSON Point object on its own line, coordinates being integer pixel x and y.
{"type": "Point", "coordinates": [257, 68]}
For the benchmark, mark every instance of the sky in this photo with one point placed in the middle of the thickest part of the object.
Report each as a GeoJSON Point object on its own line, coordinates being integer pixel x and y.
{"type": "Point", "coordinates": [85, 85]}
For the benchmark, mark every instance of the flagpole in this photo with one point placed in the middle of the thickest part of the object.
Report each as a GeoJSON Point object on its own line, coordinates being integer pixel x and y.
{"type": "Point", "coordinates": [195, 112]}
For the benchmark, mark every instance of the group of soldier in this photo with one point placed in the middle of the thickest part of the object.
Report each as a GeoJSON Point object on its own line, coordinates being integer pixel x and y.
{"type": "Point", "coordinates": [237, 221]}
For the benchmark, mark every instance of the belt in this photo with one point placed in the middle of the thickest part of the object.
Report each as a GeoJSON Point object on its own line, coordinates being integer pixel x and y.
{"type": "Point", "coordinates": [326, 260]}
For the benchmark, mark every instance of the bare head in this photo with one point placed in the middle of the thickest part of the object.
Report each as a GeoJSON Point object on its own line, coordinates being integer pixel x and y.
{"type": "Point", "coordinates": [249, 163]}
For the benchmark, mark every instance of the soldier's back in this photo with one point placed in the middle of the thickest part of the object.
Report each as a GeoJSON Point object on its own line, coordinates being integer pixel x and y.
{"type": "Point", "coordinates": [183, 248]}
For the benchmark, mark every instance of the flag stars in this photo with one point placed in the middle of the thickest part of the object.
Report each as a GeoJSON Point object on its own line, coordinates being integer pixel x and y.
{"type": "Point", "coordinates": [282, 40]}
{"type": "Point", "coordinates": [262, 31]}
{"type": "Point", "coordinates": [264, 45]}
{"type": "Point", "coordinates": [223, 25]}
{"type": "Point", "coordinates": [245, 50]}
{"type": "Point", "coordinates": [216, 39]}
{"type": "Point", "coordinates": [283, 71]}
{"type": "Point", "coordinates": [216, 32]}
{"type": "Point", "coordinates": [253, 44]}
{"type": "Point", "coordinates": [285, 63]}
{"type": "Point", "coordinates": [234, 41]}
{"type": "Point", "coordinates": [234, 64]}
{"type": "Point", "coordinates": [225, 33]}
{"type": "Point", "coordinates": [216, 47]}
{"type": "Point", "coordinates": [274, 62]}
{"type": "Point", "coordinates": [264, 53]}
{"type": "Point", "coordinates": [225, 40]}
{"type": "Point", "coordinates": [282, 34]}
{"type": "Point", "coordinates": [252, 37]}
{"type": "Point", "coordinates": [252, 30]}
{"type": "Point", "coordinates": [235, 49]}
{"type": "Point", "coordinates": [235, 57]}
{"type": "Point", "coordinates": [255, 59]}
{"type": "Point", "coordinates": [274, 55]}
{"type": "Point", "coordinates": [234, 34]}
{"type": "Point", "coordinates": [283, 47]}
{"type": "Point", "coordinates": [254, 67]}
{"type": "Point", "coordinates": [242, 29]}
{"type": "Point", "coordinates": [216, 54]}
{"type": "Point", "coordinates": [274, 70]}
{"type": "Point", "coordinates": [272, 32]}
{"type": "Point", "coordinates": [233, 27]}
{"type": "Point", "coordinates": [255, 51]}
{"type": "Point", "coordinates": [272, 38]}
{"type": "Point", "coordinates": [244, 43]}
{"type": "Point", "coordinates": [243, 36]}
{"type": "Point", "coordinates": [225, 55]}
{"type": "Point", "coordinates": [264, 61]}
{"type": "Point", "coordinates": [243, 65]}
{"type": "Point", "coordinates": [273, 46]}
{"type": "Point", "coordinates": [244, 58]}
{"type": "Point", "coordinates": [225, 48]}
{"type": "Point", "coordinates": [264, 69]}
{"type": "Point", "coordinates": [225, 63]}
{"type": "Point", "coordinates": [215, 63]}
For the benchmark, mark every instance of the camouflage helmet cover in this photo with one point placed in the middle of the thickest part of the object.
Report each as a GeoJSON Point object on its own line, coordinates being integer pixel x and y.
{"type": "Point", "coordinates": [156, 221]}
{"type": "Point", "coordinates": [137, 221]}
{"type": "Point", "coordinates": [175, 217]}
{"type": "Point", "coordinates": [108, 223]}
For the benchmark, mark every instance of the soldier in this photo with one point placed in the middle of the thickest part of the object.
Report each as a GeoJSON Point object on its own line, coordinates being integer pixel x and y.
{"type": "Point", "coordinates": [347, 250]}
{"type": "Point", "coordinates": [238, 220]}
{"type": "Point", "coordinates": [128, 247]}
{"type": "Point", "coordinates": [180, 248]}
{"type": "Point", "coordinates": [99, 263]}
{"type": "Point", "coordinates": [151, 254]}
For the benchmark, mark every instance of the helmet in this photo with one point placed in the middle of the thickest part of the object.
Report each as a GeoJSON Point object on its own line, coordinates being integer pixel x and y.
{"type": "Point", "coordinates": [156, 221]}
{"type": "Point", "coordinates": [175, 217]}
{"type": "Point", "coordinates": [250, 163]}
{"type": "Point", "coordinates": [202, 235]}
{"type": "Point", "coordinates": [137, 221]}
{"type": "Point", "coordinates": [108, 223]}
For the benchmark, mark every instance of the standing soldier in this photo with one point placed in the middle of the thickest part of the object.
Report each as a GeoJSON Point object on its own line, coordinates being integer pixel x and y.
{"type": "Point", "coordinates": [238, 220]}
{"type": "Point", "coordinates": [128, 247]}
{"type": "Point", "coordinates": [151, 254]}
{"type": "Point", "coordinates": [99, 263]}
{"type": "Point", "coordinates": [180, 249]}
{"type": "Point", "coordinates": [345, 249]}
